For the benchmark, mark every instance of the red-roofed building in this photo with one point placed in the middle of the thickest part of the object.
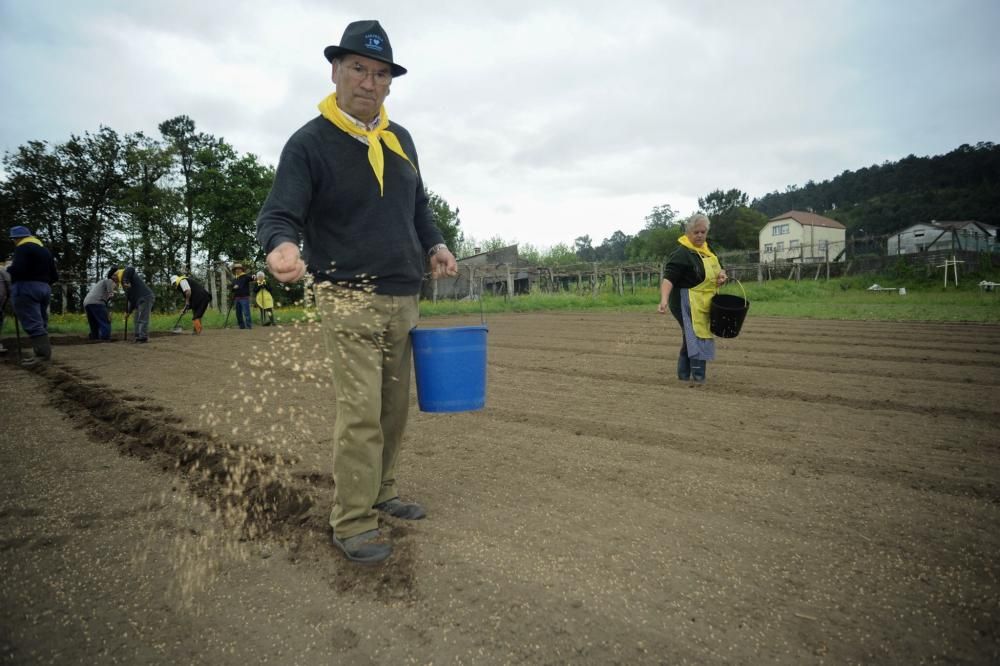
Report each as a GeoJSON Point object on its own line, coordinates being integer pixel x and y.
{"type": "Point", "coordinates": [801, 237]}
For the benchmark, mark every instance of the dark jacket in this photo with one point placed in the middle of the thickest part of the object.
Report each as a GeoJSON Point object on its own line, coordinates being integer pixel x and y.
{"type": "Point", "coordinates": [684, 269]}
{"type": "Point", "coordinates": [241, 286]}
{"type": "Point", "coordinates": [198, 292]}
{"type": "Point", "coordinates": [135, 289]}
{"type": "Point", "coordinates": [32, 263]}
{"type": "Point", "coordinates": [325, 195]}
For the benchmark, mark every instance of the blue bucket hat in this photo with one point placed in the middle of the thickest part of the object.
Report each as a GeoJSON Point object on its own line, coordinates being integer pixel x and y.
{"type": "Point", "coordinates": [19, 232]}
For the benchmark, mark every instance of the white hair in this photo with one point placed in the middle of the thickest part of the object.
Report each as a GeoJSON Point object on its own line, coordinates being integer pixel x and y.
{"type": "Point", "coordinates": [695, 219]}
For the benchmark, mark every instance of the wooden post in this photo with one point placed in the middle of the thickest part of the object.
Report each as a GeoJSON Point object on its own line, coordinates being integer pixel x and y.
{"type": "Point", "coordinates": [472, 280]}
{"type": "Point", "coordinates": [210, 278]}
{"type": "Point", "coordinates": [510, 282]}
{"type": "Point", "coordinates": [223, 292]}
{"type": "Point", "coordinates": [434, 290]}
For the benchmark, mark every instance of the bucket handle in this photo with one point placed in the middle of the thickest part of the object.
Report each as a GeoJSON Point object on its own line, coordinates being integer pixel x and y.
{"type": "Point", "coordinates": [458, 276]}
{"type": "Point", "coordinates": [740, 284]}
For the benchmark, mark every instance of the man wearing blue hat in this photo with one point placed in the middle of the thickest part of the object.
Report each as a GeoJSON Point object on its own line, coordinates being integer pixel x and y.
{"type": "Point", "coordinates": [348, 187]}
{"type": "Point", "coordinates": [32, 272]}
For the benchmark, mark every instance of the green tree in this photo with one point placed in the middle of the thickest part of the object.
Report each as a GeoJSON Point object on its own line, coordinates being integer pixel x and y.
{"type": "Point", "coordinates": [185, 143]}
{"type": "Point", "coordinates": [96, 173]}
{"type": "Point", "coordinates": [39, 195]}
{"type": "Point", "coordinates": [584, 249]}
{"type": "Point", "coordinates": [495, 243]}
{"type": "Point", "coordinates": [446, 219]}
{"type": "Point", "coordinates": [559, 254]}
{"type": "Point", "coordinates": [230, 191]}
{"type": "Point", "coordinates": [654, 244]}
{"type": "Point", "coordinates": [717, 202]}
{"type": "Point", "coordinates": [151, 237]}
{"type": "Point", "coordinates": [661, 216]}
{"type": "Point", "coordinates": [614, 248]}
{"type": "Point", "coordinates": [529, 254]}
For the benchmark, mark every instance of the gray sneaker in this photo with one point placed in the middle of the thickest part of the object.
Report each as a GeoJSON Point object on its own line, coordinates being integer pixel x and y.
{"type": "Point", "coordinates": [369, 547]}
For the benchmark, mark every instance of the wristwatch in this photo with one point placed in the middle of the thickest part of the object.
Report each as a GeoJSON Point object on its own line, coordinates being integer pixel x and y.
{"type": "Point", "coordinates": [434, 250]}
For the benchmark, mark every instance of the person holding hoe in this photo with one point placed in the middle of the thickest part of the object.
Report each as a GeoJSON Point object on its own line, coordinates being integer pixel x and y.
{"type": "Point", "coordinates": [690, 279]}
{"type": "Point", "coordinates": [196, 298]}
{"type": "Point", "coordinates": [97, 305]}
{"type": "Point", "coordinates": [32, 272]}
{"type": "Point", "coordinates": [348, 187]}
{"type": "Point", "coordinates": [138, 298]}
{"type": "Point", "coordinates": [241, 296]}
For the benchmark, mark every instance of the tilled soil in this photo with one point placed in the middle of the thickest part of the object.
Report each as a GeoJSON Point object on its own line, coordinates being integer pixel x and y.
{"type": "Point", "coordinates": [830, 495]}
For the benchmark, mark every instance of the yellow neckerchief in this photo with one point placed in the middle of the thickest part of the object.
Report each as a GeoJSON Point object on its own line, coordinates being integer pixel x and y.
{"type": "Point", "coordinates": [180, 278]}
{"type": "Point", "coordinates": [703, 250]}
{"type": "Point", "coordinates": [328, 107]}
{"type": "Point", "coordinates": [118, 275]}
{"type": "Point", "coordinates": [29, 239]}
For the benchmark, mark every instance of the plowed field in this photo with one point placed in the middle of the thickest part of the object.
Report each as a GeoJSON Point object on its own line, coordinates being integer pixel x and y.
{"type": "Point", "coordinates": [830, 495]}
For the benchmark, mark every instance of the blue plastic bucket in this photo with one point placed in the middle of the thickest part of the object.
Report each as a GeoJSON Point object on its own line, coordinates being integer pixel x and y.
{"type": "Point", "coordinates": [450, 365]}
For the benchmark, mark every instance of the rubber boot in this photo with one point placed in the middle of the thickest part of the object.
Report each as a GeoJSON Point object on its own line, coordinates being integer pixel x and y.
{"type": "Point", "coordinates": [43, 350]}
{"type": "Point", "coordinates": [197, 326]}
{"type": "Point", "coordinates": [698, 369]}
{"type": "Point", "coordinates": [683, 367]}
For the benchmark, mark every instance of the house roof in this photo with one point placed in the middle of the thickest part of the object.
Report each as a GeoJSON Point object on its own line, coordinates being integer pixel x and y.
{"type": "Point", "coordinates": [809, 219]}
{"type": "Point", "coordinates": [952, 225]}
{"type": "Point", "coordinates": [960, 224]}
{"type": "Point", "coordinates": [502, 250]}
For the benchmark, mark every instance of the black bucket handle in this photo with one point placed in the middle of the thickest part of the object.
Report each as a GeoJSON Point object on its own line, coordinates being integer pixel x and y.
{"type": "Point", "coordinates": [740, 286]}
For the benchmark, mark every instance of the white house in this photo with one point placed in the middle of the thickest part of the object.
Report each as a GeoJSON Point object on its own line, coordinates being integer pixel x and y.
{"type": "Point", "coordinates": [797, 236]}
{"type": "Point", "coordinates": [937, 236]}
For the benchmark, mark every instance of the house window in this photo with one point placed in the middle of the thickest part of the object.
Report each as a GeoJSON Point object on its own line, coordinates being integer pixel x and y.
{"type": "Point", "coordinates": [768, 247]}
{"type": "Point", "coordinates": [779, 246]}
{"type": "Point", "coordinates": [792, 244]}
{"type": "Point", "coordinates": [918, 234]}
{"type": "Point", "coordinates": [822, 245]}
{"type": "Point", "coordinates": [779, 230]}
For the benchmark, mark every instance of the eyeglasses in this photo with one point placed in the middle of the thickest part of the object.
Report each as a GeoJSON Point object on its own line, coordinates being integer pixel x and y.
{"type": "Point", "coordinates": [359, 73]}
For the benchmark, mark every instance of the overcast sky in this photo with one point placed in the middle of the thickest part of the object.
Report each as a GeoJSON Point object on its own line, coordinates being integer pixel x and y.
{"type": "Point", "coordinates": [542, 121]}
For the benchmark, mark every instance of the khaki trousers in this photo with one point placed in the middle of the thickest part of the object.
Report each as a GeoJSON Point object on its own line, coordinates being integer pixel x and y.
{"type": "Point", "coordinates": [368, 340]}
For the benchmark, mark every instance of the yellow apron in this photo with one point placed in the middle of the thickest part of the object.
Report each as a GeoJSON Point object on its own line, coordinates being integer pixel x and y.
{"type": "Point", "coordinates": [701, 298]}
{"type": "Point", "coordinates": [264, 300]}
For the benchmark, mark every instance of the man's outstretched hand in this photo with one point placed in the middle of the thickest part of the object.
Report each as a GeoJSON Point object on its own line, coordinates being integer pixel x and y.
{"type": "Point", "coordinates": [285, 263]}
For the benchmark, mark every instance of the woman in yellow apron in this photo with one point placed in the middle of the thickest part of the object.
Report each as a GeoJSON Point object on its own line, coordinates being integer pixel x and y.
{"type": "Point", "coordinates": [692, 275]}
{"type": "Point", "coordinates": [264, 300]}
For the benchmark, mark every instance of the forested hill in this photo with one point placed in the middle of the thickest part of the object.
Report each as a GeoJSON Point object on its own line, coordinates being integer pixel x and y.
{"type": "Point", "coordinates": [881, 199]}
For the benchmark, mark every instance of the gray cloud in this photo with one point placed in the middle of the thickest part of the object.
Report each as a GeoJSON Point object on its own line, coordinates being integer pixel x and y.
{"type": "Point", "coordinates": [541, 121]}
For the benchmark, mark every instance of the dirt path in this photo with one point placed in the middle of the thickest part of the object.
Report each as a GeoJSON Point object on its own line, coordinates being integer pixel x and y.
{"type": "Point", "coordinates": [830, 496]}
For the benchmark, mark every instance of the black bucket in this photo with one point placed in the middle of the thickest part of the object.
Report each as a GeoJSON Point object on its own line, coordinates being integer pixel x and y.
{"type": "Point", "coordinates": [727, 312]}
